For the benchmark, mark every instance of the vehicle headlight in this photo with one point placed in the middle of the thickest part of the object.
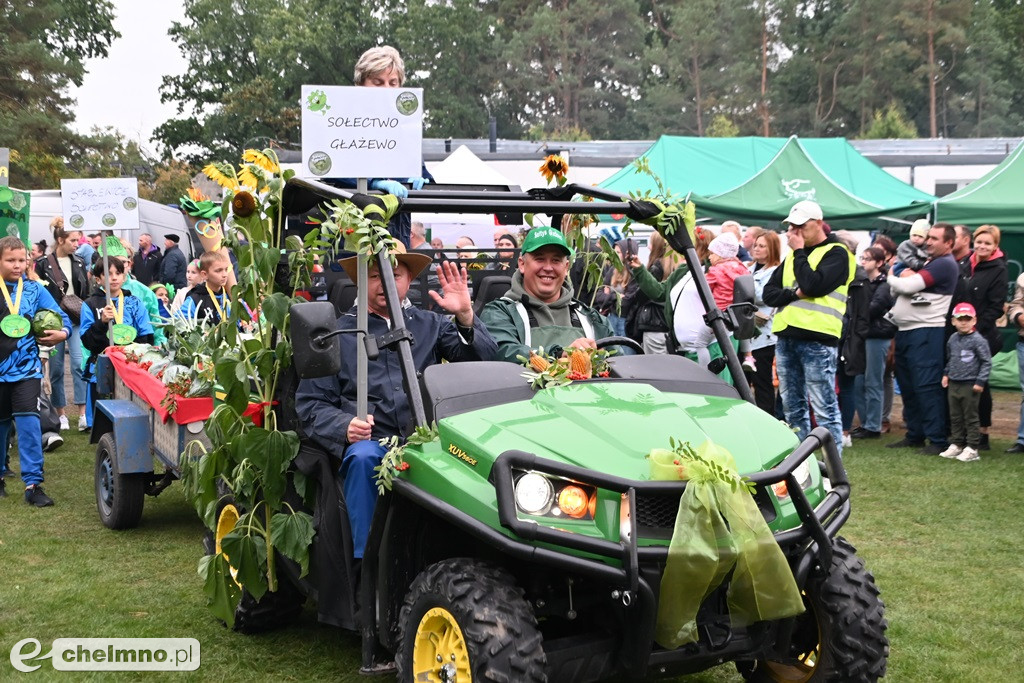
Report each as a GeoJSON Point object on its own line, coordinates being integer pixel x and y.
{"type": "Point", "coordinates": [803, 477]}
{"type": "Point", "coordinates": [534, 494]}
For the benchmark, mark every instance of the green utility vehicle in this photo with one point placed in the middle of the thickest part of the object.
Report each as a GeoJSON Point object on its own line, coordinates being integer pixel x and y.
{"type": "Point", "coordinates": [529, 541]}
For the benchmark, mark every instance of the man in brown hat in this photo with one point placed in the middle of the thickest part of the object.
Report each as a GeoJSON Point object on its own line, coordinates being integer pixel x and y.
{"type": "Point", "coordinates": [327, 406]}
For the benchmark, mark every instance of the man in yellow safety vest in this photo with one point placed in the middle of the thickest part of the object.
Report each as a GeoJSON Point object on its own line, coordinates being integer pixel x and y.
{"type": "Point", "coordinates": [809, 291]}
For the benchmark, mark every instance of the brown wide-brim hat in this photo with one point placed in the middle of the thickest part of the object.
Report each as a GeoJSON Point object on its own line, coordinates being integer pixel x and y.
{"type": "Point", "coordinates": [415, 262]}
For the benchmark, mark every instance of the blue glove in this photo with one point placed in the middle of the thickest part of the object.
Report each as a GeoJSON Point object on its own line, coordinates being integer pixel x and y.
{"type": "Point", "coordinates": [418, 183]}
{"type": "Point", "coordinates": [391, 187]}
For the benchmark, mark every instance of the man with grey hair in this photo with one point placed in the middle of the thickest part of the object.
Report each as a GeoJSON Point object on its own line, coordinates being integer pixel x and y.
{"type": "Point", "coordinates": [418, 236]}
{"type": "Point", "coordinates": [382, 67]}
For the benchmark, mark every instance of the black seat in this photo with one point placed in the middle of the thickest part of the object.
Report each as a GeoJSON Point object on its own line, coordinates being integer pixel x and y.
{"type": "Point", "coordinates": [342, 294]}
{"type": "Point", "coordinates": [489, 288]}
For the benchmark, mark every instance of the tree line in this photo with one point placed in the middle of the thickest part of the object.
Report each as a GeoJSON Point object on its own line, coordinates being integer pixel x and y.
{"type": "Point", "coordinates": [560, 69]}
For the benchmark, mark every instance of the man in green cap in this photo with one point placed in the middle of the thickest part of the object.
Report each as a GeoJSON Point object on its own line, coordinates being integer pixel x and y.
{"type": "Point", "coordinates": [539, 310]}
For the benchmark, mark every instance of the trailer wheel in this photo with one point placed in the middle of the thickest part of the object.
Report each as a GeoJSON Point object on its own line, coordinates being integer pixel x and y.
{"type": "Point", "coordinates": [275, 609]}
{"type": "Point", "coordinates": [119, 497]}
{"type": "Point", "coordinates": [467, 620]}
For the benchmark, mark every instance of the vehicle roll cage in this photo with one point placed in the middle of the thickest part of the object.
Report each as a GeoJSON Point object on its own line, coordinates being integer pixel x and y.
{"type": "Point", "coordinates": [302, 195]}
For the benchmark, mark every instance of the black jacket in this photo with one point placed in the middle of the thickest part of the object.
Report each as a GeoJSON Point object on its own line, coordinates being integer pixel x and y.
{"type": "Point", "coordinates": [146, 267]}
{"type": "Point", "coordinates": [172, 268]}
{"type": "Point", "coordinates": [986, 291]}
{"type": "Point", "coordinates": [831, 273]}
{"type": "Point", "coordinates": [881, 301]}
{"type": "Point", "coordinates": [856, 323]}
{"type": "Point", "coordinates": [79, 285]}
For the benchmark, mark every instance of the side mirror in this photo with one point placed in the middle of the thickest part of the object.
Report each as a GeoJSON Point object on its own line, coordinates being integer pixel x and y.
{"type": "Point", "coordinates": [315, 354]}
{"type": "Point", "coordinates": [741, 313]}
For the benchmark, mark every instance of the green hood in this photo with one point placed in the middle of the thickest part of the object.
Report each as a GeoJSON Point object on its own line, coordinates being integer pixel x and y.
{"type": "Point", "coordinates": [611, 426]}
{"type": "Point", "coordinates": [555, 313]}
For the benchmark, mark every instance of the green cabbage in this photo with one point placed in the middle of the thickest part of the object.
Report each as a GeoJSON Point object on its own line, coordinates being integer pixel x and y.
{"type": "Point", "coordinates": [45, 321]}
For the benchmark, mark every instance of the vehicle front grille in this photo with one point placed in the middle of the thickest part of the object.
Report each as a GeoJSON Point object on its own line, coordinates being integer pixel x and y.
{"type": "Point", "coordinates": [656, 512]}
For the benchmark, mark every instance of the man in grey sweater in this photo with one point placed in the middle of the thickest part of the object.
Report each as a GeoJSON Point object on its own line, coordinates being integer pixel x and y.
{"type": "Point", "coordinates": [968, 365]}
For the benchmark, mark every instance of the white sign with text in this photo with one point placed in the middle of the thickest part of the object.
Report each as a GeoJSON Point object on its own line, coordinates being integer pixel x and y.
{"type": "Point", "coordinates": [94, 204]}
{"type": "Point", "coordinates": [360, 132]}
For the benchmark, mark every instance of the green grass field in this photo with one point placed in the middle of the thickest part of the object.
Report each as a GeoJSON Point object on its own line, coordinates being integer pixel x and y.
{"type": "Point", "coordinates": [941, 537]}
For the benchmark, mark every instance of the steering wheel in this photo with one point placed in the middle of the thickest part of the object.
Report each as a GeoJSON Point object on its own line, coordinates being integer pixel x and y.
{"type": "Point", "coordinates": [620, 341]}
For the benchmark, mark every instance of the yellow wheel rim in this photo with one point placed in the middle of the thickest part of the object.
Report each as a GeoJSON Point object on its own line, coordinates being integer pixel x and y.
{"type": "Point", "coordinates": [807, 663]}
{"type": "Point", "coordinates": [225, 523]}
{"type": "Point", "coordinates": [439, 653]}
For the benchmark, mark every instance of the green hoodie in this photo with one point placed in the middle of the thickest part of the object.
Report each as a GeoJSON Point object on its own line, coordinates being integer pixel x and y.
{"type": "Point", "coordinates": [508, 328]}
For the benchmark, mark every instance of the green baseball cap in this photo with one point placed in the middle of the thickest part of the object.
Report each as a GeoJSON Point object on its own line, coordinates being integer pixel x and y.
{"type": "Point", "coordinates": [542, 237]}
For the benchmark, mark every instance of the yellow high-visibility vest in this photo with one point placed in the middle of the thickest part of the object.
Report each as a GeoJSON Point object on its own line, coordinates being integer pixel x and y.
{"type": "Point", "coordinates": [823, 314]}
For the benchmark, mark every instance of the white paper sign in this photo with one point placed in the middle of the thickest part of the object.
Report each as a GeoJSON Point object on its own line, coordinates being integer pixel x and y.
{"type": "Point", "coordinates": [360, 132]}
{"type": "Point", "coordinates": [94, 204]}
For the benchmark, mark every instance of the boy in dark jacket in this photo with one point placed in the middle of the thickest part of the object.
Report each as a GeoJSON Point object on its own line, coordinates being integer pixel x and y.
{"type": "Point", "coordinates": [967, 368]}
{"type": "Point", "coordinates": [210, 301]}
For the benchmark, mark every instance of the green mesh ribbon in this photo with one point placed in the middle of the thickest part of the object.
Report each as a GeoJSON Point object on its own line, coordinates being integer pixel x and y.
{"type": "Point", "coordinates": [718, 529]}
{"type": "Point", "coordinates": [205, 209]}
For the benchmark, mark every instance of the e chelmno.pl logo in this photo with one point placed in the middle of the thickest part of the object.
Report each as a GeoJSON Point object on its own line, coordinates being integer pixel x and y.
{"type": "Point", "coordinates": [108, 654]}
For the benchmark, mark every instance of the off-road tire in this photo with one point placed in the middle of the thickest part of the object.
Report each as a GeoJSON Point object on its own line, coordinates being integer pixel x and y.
{"type": "Point", "coordinates": [497, 624]}
{"type": "Point", "coordinates": [119, 497]}
{"type": "Point", "coordinates": [846, 608]}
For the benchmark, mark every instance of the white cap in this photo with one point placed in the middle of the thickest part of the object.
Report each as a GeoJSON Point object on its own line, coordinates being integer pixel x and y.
{"type": "Point", "coordinates": [804, 211]}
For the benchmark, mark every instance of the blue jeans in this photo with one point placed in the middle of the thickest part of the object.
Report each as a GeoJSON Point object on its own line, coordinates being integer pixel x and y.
{"type": "Point", "coordinates": [1020, 366]}
{"type": "Point", "coordinates": [920, 361]}
{"type": "Point", "coordinates": [618, 324]}
{"type": "Point", "coordinates": [807, 369]}
{"type": "Point", "coordinates": [360, 486]}
{"type": "Point", "coordinates": [56, 365]}
{"type": "Point", "coordinates": [870, 385]}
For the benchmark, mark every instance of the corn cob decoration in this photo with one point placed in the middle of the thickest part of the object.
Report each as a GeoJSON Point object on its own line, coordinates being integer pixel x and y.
{"type": "Point", "coordinates": [537, 362]}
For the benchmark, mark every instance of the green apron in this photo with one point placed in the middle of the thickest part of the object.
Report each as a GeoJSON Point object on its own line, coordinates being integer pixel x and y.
{"type": "Point", "coordinates": [554, 335]}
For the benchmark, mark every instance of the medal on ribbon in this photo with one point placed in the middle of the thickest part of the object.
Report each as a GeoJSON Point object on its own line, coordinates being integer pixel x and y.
{"type": "Point", "coordinates": [122, 334]}
{"type": "Point", "coordinates": [13, 324]}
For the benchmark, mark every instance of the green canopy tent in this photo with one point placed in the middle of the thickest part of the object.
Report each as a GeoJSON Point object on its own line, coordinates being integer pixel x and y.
{"type": "Point", "coordinates": [793, 175]}
{"type": "Point", "coordinates": [710, 166]}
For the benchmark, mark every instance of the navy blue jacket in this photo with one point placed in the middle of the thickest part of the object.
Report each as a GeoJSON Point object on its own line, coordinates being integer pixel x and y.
{"type": "Point", "coordinates": [326, 406]}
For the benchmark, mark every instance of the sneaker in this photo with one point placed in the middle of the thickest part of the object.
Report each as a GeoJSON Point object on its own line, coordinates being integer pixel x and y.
{"type": "Point", "coordinates": [952, 452]}
{"type": "Point", "coordinates": [934, 449]}
{"type": "Point", "coordinates": [861, 433]}
{"type": "Point", "coordinates": [83, 425]}
{"type": "Point", "coordinates": [968, 455]}
{"type": "Point", "coordinates": [64, 426]}
{"type": "Point", "coordinates": [34, 495]}
{"type": "Point", "coordinates": [1015, 448]}
{"type": "Point", "coordinates": [749, 364]}
{"type": "Point", "coordinates": [52, 442]}
{"type": "Point", "coordinates": [847, 441]}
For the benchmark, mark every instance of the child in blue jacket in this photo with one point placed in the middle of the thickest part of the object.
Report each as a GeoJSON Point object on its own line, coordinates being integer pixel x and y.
{"type": "Point", "coordinates": [20, 370]}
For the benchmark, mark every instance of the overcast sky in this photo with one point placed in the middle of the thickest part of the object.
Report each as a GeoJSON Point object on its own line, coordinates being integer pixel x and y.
{"type": "Point", "coordinates": [123, 90]}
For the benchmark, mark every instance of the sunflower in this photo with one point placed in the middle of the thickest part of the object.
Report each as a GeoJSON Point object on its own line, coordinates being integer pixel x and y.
{"type": "Point", "coordinates": [221, 173]}
{"type": "Point", "coordinates": [243, 204]}
{"type": "Point", "coordinates": [266, 161]}
{"type": "Point", "coordinates": [250, 176]}
{"type": "Point", "coordinates": [554, 167]}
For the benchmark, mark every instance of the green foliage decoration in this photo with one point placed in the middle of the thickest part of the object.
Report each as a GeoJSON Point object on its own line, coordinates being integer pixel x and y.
{"type": "Point", "coordinates": [249, 458]}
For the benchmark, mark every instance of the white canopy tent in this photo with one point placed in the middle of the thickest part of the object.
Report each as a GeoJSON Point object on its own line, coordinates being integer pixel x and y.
{"type": "Point", "coordinates": [462, 167]}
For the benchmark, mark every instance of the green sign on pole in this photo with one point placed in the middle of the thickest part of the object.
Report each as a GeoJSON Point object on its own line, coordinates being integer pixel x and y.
{"type": "Point", "coordinates": [14, 207]}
